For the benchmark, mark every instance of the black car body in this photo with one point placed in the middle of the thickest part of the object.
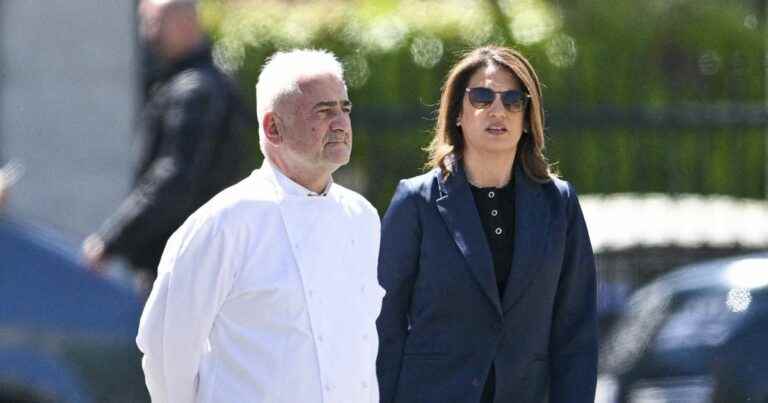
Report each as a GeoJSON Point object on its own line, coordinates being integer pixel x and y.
{"type": "Point", "coordinates": [696, 335]}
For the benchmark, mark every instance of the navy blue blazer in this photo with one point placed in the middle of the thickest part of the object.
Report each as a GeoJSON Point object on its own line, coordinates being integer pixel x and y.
{"type": "Point", "coordinates": [442, 323]}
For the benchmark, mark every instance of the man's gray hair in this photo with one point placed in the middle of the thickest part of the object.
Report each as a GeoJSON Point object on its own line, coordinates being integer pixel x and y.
{"type": "Point", "coordinates": [282, 73]}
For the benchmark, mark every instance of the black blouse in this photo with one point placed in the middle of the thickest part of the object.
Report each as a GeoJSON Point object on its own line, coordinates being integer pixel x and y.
{"type": "Point", "coordinates": [496, 207]}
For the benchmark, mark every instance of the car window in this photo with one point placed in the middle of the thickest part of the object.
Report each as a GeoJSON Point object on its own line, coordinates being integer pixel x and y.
{"type": "Point", "coordinates": [706, 318]}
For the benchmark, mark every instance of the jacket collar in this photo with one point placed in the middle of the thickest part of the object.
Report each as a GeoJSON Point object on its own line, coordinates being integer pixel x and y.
{"type": "Point", "coordinates": [532, 228]}
{"type": "Point", "coordinates": [457, 207]}
{"type": "Point", "coordinates": [200, 55]}
{"type": "Point", "coordinates": [285, 186]}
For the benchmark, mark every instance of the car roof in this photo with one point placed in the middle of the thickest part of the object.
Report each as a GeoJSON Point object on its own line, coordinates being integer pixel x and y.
{"type": "Point", "coordinates": [745, 271]}
{"type": "Point", "coordinates": [44, 285]}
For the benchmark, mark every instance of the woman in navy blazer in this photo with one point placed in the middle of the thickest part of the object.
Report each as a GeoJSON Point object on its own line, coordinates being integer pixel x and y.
{"type": "Point", "coordinates": [486, 260]}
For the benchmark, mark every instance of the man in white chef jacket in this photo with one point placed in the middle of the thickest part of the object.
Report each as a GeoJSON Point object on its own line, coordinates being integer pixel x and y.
{"type": "Point", "coordinates": [268, 293]}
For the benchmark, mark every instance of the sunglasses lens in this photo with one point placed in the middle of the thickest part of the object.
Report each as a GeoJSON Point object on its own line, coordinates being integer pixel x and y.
{"type": "Point", "coordinates": [513, 99]}
{"type": "Point", "coordinates": [481, 97]}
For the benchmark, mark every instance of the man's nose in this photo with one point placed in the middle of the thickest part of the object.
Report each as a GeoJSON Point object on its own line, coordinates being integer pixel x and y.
{"type": "Point", "coordinates": [341, 123]}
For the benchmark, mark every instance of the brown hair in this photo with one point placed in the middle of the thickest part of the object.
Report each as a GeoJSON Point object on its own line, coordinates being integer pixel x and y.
{"type": "Point", "coordinates": [448, 142]}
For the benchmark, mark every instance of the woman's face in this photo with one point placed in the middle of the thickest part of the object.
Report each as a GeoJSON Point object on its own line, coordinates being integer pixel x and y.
{"type": "Point", "coordinates": [491, 128]}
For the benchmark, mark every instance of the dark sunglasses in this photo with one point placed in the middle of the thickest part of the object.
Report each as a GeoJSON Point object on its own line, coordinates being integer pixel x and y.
{"type": "Point", "coordinates": [513, 100]}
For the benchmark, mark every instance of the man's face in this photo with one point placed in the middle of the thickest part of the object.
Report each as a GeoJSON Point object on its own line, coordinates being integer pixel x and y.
{"type": "Point", "coordinates": [150, 23]}
{"type": "Point", "coordinates": [317, 128]}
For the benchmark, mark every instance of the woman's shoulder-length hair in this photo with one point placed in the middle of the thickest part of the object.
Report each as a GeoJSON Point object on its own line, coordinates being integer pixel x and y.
{"type": "Point", "coordinates": [447, 145]}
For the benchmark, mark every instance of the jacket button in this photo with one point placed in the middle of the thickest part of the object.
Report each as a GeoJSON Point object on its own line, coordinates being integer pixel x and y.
{"type": "Point", "coordinates": [476, 382]}
{"type": "Point", "coordinates": [496, 326]}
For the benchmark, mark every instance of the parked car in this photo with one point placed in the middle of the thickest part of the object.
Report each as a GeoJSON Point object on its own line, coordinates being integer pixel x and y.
{"type": "Point", "coordinates": [66, 334]}
{"type": "Point", "coordinates": [695, 335]}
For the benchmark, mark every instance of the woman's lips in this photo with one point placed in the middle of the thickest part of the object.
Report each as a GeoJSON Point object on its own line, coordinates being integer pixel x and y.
{"type": "Point", "coordinates": [496, 130]}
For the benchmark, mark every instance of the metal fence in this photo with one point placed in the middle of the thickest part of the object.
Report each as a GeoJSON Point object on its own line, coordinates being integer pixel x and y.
{"type": "Point", "coordinates": [691, 148]}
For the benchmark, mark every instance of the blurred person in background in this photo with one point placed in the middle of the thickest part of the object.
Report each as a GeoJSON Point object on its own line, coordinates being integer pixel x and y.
{"type": "Point", "coordinates": [193, 146]}
{"type": "Point", "coordinates": [486, 261]}
{"type": "Point", "coordinates": [268, 293]}
{"type": "Point", "coordinates": [4, 183]}
{"type": "Point", "coordinates": [10, 173]}
{"type": "Point", "coordinates": [3, 188]}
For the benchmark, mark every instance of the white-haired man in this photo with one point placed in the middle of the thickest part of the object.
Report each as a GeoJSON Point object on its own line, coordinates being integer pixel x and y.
{"type": "Point", "coordinates": [268, 293]}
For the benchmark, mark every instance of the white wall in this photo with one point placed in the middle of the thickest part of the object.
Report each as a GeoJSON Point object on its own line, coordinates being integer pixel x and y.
{"type": "Point", "coordinates": [68, 108]}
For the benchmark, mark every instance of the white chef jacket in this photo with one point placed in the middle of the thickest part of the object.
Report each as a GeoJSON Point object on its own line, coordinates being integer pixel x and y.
{"type": "Point", "coordinates": [267, 294]}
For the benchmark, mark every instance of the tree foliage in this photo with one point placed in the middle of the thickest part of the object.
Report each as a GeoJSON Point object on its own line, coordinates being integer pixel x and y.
{"type": "Point", "coordinates": [656, 54]}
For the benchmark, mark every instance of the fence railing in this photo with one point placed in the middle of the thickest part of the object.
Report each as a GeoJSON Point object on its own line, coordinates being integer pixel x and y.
{"type": "Point", "coordinates": [687, 148]}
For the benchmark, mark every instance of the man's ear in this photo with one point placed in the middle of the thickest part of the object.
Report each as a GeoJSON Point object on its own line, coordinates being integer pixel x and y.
{"type": "Point", "coordinates": [272, 127]}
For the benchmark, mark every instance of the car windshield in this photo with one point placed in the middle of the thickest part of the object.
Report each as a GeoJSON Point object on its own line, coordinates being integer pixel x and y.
{"type": "Point", "coordinates": [664, 321]}
{"type": "Point", "coordinates": [706, 318]}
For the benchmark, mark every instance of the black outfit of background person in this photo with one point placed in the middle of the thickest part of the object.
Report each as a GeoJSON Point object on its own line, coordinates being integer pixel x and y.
{"type": "Point", "coordinates": [193, 148]}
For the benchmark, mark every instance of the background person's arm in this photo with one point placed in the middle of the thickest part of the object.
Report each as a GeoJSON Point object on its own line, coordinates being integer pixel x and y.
{"type": "Point", "coordinates": [164, 195]}
{"type": "Point", "coordinates": [10, 173]}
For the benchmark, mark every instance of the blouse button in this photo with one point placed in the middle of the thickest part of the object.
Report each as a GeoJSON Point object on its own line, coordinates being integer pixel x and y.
{"type": "Point", "coordinates": [498, 231]}
{"type": "Point", "coordinates": [491, 194]}
{"type": "Point", "coordinates": [494, 212]}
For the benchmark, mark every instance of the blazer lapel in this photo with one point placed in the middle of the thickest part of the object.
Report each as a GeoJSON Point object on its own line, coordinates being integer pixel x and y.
{"type": "Point", "coordinates": [532, 224]}
{"type": "Point", "coordinates": [457, 207]}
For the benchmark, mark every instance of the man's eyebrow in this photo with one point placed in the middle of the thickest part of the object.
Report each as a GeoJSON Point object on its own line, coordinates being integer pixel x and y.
{"type": "Point", "coordinates": [323, 104]}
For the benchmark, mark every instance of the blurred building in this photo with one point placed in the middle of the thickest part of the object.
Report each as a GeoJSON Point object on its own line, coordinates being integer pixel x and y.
{"type": "Point", "coordinates": [67, 107]}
